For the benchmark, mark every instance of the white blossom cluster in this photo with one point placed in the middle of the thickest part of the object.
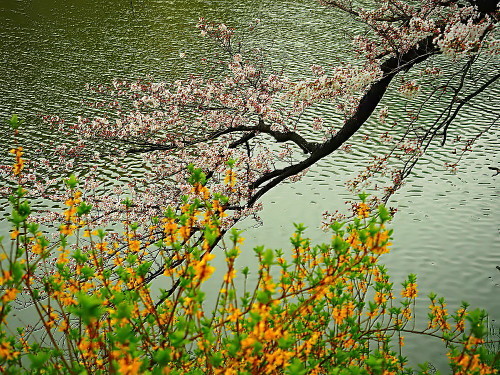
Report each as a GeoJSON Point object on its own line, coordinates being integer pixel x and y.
{"type": "Point", "coordinates": [462, 38]}
{"type": "Point", "coordinates": [195, 120]}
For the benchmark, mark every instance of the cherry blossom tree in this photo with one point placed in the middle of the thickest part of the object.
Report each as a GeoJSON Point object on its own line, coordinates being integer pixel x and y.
{"type": "Point", "coordinates": [242, 122]}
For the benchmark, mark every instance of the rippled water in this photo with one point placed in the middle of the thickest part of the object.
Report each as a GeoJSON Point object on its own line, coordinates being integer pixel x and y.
{"type": "Point", "coordinates": [446, 230]}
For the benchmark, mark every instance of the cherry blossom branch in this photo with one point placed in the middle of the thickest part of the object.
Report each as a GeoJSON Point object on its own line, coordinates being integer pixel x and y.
{"type": "Point", "coordinates": [279, 136]}
{"type": "Point", "coordinates": [208, 121]}
{"type": "Point", "coordinates": [367, 105]}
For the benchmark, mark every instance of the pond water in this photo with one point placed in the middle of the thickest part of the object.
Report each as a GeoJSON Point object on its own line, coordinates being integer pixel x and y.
{"type": "Point", "coordinates": [446, 230]}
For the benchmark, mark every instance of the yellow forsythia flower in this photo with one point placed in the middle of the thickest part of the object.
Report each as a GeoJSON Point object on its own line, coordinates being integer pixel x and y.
{"type": "Point", "coordinates": [230, 178]}
{"type": "Point", "coordinates": [410, 291]}
{"type": "Point", "coordinates": [19, 164]}
{"type": "Point", "coordinates": [10, 295]}
{"type": "Point", "coordinates": [6, 351]}
{"type": "Point", "coordinates": [363, 210]}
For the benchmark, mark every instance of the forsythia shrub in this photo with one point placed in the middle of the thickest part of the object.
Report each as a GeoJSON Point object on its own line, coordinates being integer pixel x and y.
{"type": "Point", "coordinates": [329, 309]}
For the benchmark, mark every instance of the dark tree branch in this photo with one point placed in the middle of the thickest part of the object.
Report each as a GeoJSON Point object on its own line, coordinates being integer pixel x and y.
{"type": "Point", "coordinates": [438, 123]}
{"type": "Point", "coordinates": [148, 147]}
{"type": "Point", "coordinates": [306, 146]}
{"type": "Point", "coordinates": [243, 140]}
{"type": "Point", "coordinates": [496, 169]}
{"type": "Point", "coordinates": [370, 100]}
{"type": "Point", "coordinates": [465, 101]}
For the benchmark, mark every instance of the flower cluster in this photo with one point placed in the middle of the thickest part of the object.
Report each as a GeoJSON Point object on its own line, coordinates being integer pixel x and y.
{"type": "Point", "coordinates": [207, 120]}
{"type": "Point", "coordinates": [465, 34]}
{"type": "Point", "coordinates": [19, 163]}
{"type": "Point", "coordinates": [98, 312]}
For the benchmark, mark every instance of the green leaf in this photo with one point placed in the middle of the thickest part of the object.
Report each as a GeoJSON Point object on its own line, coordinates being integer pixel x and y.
{"type": "Point", "coordinates": [336, 227]}
{"type": "Point", "coordinates": [211, 235]}
{"type": "Point", "coordinates": [14, 122]}
{"type": "Point", "coordinates": [375, 364]}
{"type": "Point", "coordinates": [17, 271]}
{"type": "Point", "coordinates": [384, 214]}
{"type": "Point", "coordinates": [231, 162]}
{"type": "Point", "coordinates": [124, 334]}
{"type": "Point", "coordinates": [143, 268]}
{"type": "Point", "coordinates": [216, 359]}
{"type": "Point", "coordinates": [83, 209]}
{"type": "Point", "coordinates": [233, 348]}
{"type": "Point", "coordinates": [87, 272]}
{"type": "Point", "coordinates": [363, 196]}
{"type": "Point", "coordinates": [131, 259]}
{"type": "Point", "coordinates": [33, 228]}
{"type": "Point", "coordinates": [476, 319]}
{"type": "Point", "coordinates": [197, 175]}
{"type": "Point", "coordinates": [285, 343]}
{"type": "Point", "coordinates": [296, 368]}
{"type": "Point", "coordinates": [263, 296]}
{"type": "Point", "coordinates": [162, 356]}
{"type": "Point", "coordinates": [299, 228]}
{"type": "Point", "coordinates": [79, 256]}
{"type": "Point", "coordinates": [101, 233]}
{"type": "Point", "coordinates": [177, 338]}
{"type": "Point", "coordinates": [268, 257]}
{"type": "Point", "coordinates": [127, 202]}
{"type": "Point", "coordinates": [72, 181]}
{"type": "Point", "coordinates": [17, 218]}
{"type": "Point", "coordinates": [38, 360]}
{"type": "Point", "coordinates": [24, 209]}
{"type": "Point", "coordinates": [88, 308]}
{"type": "Point", "coordinates": [20, 192]}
